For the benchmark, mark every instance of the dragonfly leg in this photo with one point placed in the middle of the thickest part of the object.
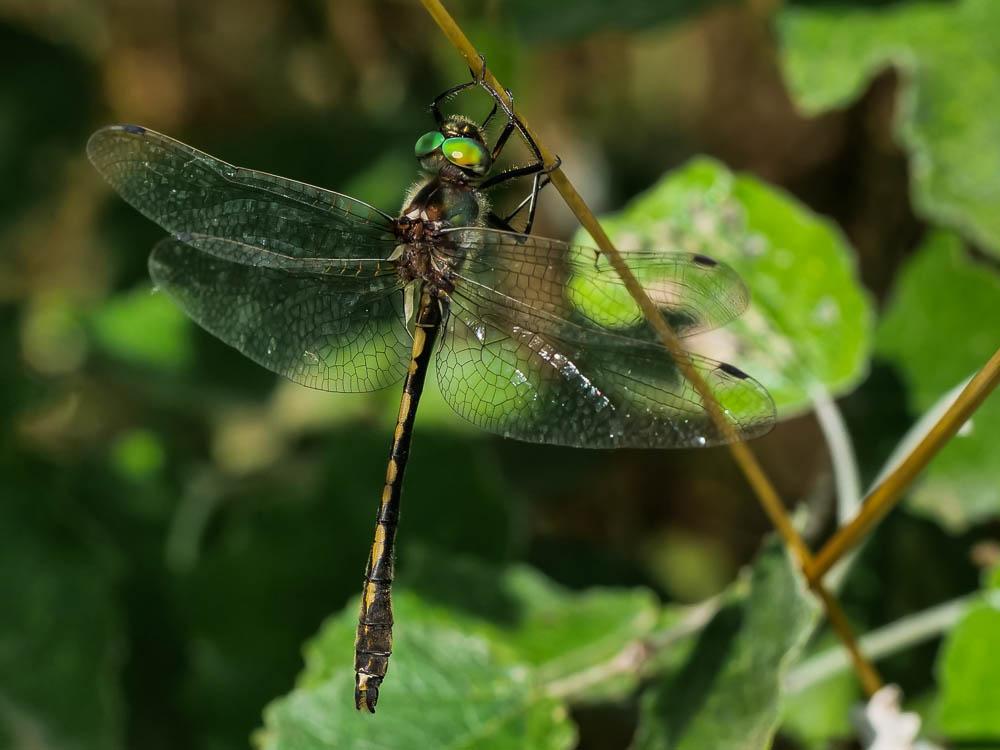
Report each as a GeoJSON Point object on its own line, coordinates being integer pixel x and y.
{"type": "Point", "coordinates": [536, 168]}
{"type": "Point", "coordinates": [513, 121]}
{"type": "Point", "coordinates": [510, 126]}
{"type": "Point", "coordinates": [489, 117]}
{"type": "Point", "coordinates": [445, 96]}
{"type": "Point", "coordinates": [477, 80]}
{"type": "Point", "coordinates": [540, 179]}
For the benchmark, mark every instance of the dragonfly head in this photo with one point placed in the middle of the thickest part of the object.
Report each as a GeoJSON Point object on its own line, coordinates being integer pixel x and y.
{"type": "Point", "coordinates": [457, 151]}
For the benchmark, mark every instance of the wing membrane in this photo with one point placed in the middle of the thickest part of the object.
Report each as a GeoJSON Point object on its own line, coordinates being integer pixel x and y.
{"type": "Point", "coordinates": [543, 342]}
{"type": "Point", "coordinates": [334, 333]}
{"type": "Point", "coordinates": [254, 255]}
{"type": "Point", "coordinates": [187, 191]}
{"type": "Point", "coordinates": [694, 292]}
{"type": "Point", "coordinates": [524, 357]}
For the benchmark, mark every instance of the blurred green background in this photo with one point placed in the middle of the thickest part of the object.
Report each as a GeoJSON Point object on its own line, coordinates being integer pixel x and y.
{"type": "Point", "coordinates": [175, 522]}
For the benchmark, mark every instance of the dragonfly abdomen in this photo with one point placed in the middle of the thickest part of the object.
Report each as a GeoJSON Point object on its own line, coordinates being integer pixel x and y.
{"type": "Point", "coordinates": [373, 645]}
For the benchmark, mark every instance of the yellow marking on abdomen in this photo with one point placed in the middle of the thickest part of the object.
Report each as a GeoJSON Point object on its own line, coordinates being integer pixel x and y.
{"type": "Point", "coordinates": [419, 339]}
{"type": "Point", "coordinates": [370, 590]}
{"type": "Point", "coordinates": [378, 546]}
{"type": "Point", "coordinates": [404, 407]}
{"type": "Point", "coordinates": [419, 342]}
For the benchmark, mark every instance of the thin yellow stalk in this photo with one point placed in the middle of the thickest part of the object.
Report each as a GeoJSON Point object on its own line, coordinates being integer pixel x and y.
{"type": "Point", "coordinates": [868, 676]}
{"type": "Point", "coordinates": [882, 499]}
{"type": "Point", "coordinates": [765, 491]}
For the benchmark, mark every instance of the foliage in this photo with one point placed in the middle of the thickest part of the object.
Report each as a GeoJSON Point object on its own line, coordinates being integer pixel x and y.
{"type": "Point", "coordinates": [452, 688]}
{"type": "Point", "coordinates": [809, 322]}
{"type": "Point", "coordinates": [122, 326]}
{"type": "Point", "coordinates": [947, 57]}
{"type": "Point", "coordinates": [500, 677]}
{"type": "Point", "coordinates": [491, 677]}
{"type": "Point", "coordinates": [728, 693]}
{"type": "Point", "coordinates": [962, 486]}
{"type": "Point", "coordinates": [966, 706]}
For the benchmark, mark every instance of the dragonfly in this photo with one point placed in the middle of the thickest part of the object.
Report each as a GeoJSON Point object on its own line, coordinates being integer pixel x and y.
{"type": "Point", "coordinates": [532, 338]}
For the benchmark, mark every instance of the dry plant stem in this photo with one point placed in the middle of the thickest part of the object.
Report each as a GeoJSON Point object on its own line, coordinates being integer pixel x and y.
{"type": "Point", "coordinates": [868, 676]}
{"type": "Point", "coordinates": [755, 475]}
{"type": "Point", "coordinates": [881, 500]}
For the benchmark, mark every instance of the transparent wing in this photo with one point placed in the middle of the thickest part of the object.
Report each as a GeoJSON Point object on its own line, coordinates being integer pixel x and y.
{"type": "Point", "coordinates": [187, 191]}
{"type": "Point", "coordinates": [255, 255]}
{"type": "Point", "coordinates": [526, 356]}
{"type": "Point", "coordinates": [695, 293]}
{"type": "Point", "coordinates": [328, 331]}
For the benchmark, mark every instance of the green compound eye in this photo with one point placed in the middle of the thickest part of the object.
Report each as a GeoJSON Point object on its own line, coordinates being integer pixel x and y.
{"type": "Point", "coordinates": [465, 152]}
{"type": "Point", "coordinates": [428, 143]}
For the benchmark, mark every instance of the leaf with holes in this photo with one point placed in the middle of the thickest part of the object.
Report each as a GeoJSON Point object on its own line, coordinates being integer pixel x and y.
{"type": "Point", "coordinates": [809, 321]}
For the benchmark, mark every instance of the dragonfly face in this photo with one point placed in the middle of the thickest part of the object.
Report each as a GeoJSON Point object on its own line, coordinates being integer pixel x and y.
{"type": "Point", "coordinates": [534, 339]}
{"type": "Point", "coordinates": [456, 151]}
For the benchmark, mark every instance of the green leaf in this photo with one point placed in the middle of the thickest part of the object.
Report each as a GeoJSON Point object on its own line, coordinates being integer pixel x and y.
{"type": "Point", "coordinates": [939, 328]}
{"type": "Point", "coordinates": [138, 454]}
{"type": "Point", "coordinates": [949, 104]}
{"type": "Point", "coordinates": [727, 695]}
{"type": "Point", "coordinates": [969, 692]}
{"type": "Point", "coordinates": [809, 321]}
{"type": "Point", "coordinates": [60, 637]}
{"type": "Point", "coordinates": [445, 688]}
{"type": "Point", "coordinates": [821, 712]}
{"type": "Point", "coordinates": [568, 19]}
{"type": "Point", "coordinates": [145, 328]}
{"type": "Point", "coordinates": [571, 639]}
{"type": "Point", "coordinates": [481, 657]}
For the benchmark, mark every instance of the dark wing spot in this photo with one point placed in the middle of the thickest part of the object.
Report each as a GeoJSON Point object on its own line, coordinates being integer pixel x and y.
{"type": "Point", "coordinates": [733, 370]}
{"type": "Point", "coordinates": [136, 129]}
{"type": "Point", "coordinates": [680, 320]}
{"type": "Point", "coordinates": [704, 260]}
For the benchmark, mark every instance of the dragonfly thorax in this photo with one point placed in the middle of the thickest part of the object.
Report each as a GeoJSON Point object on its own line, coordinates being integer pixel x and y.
{"type": "Point", "coordinates": [433, 205]}
{"type": "Point", "coordinates": [419, 262]}
{"type": "Point", "coordinates": [419, 234]}
{"type": "Point", "coordinates": [439, 203]}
